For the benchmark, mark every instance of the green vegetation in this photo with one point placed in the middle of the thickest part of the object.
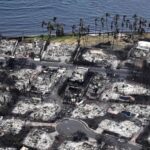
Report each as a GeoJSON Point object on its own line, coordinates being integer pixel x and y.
{"type": "Point", "coordinates": [65, 39]}
{"type": "Point", "coordinates": [107, 27]}
{"type": "Point", "coordinates": [88, 40]}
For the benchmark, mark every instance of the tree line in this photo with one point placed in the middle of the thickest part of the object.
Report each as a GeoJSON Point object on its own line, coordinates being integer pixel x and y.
{"type": "Point", "coordinates": [108, 24]}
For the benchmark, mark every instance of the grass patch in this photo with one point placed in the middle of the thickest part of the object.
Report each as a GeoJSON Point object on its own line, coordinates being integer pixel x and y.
{"type": "Point", "coordinates": [64, 39]}
{"type": "Point", "coordinates": [88, 40]}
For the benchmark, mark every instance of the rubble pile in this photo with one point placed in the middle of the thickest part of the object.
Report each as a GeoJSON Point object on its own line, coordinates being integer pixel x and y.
{"type": "Point", "coordinates": [130, 88]}
{"type": "Point", "coordinates": [140, 53]}
{"type": "Point", "coordinates": [39, 80]}
{"type": "Point", "coordinates": [45, 112]}
{"type": "Point", "coordinates": [89, 111]}
{"type": "Point", "coordinates": [7, 47]}
{"type": "Point", "coordinates": [25, 49]}
{"type": "Point", "coordinates": [142, 111]}
{"type": "Point", "coordinates": [44, 81]}
{"type": "Point", "coordinates": [36, 109]}
{"type": "Point", "coordinates": [73, 99]}
{"type": "Point", "coordinates": [73, 94]}
{"type": "Point", "coordinates": [39, 139]}
{"type": "Point", "coordinates": [79, 74]}
{"type": "Point", "coordinates": [10, 126]}
{"type": "Point", "coordinates": [124, 89]}
{"type": "Point", "coordinates": [59, 52]}
{"type": "Point", "coordinates": [68, 145]}
{"type": "Point", "coordinates": [23, 78]}
{"type": "Point", "coordinates": [97, 86]}
{"type": "Point", "coordinates": [142, 50]}
{"type": "Point", "coordinates": [109, 95]}
{"type": "Point", "coordinates": [101, 57]}
{"type": "Point", "coordinates": [125, 128]}
{"type": "Point", "coordinates": [5, 99]}
{"type": "Point", "coordinates": [26, 105]}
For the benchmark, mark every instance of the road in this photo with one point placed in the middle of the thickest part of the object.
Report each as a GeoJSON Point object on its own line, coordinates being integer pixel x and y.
{"type": "Point", "coordinates": [67, 127]}
{"type": "Point", "coordinates": [39, 124]}
{"type": "Point", "coordinates": [70, 66]}
{"type": "Point", "coordinates": [96, 69]}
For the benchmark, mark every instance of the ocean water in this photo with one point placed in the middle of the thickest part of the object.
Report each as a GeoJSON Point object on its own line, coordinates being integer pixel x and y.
{"type": "Point", "coordinates": [18, 17]}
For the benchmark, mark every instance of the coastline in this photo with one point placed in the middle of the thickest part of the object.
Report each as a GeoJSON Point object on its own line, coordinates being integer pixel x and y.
{"type": "Point", "coordinates": [86, 41]}
{"type": "Point", "coordinates": [65, 35]}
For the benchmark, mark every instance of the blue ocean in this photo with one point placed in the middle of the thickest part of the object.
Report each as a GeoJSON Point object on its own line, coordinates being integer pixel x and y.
{"type": "Point", "coordinates": [18, 17]}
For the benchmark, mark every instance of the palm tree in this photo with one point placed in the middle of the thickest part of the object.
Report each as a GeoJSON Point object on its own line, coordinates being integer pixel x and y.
{"type": "Point", "coordinates": [131, 30]}
{"type": "Point", "coordinates": [122, 26]}
{"type": "Point", "coordinates": [135, 23]}
{"type": "Point", "coordinates": [43, 26]}
{"type": "Point", "coordinates": [107, 15]}
{"type": "Point", "coordinates": [100, 29]}
{"type": "Point", "coordinates": [112, 26]}
{"type": "Point", "coordinates": [87, 32]}
{"type": "Point", "coordinates": [54, 19]}
{"type": "Point", "coordinates": [81, 23]}
{"type": "Point", "coordinates": [124, 18]}
{"type": "Point", "coordinates": [149, 25]}
{"type": "Point", "coordinates": [106, 19]}
{"type": "Point", "coordinates": [141, 26]}
{"type": "Point", "coordinates": [59, 29]}
{"type": "Point", "coordinates": [117, 31]}
{"type": "Point", "coordinates": [73, 30]}
{"type": "Point", "coordinates": [62, 29]}
{"type": "Point", "coordinates": [112, 31]}
{"type": "Point", "coordinates": [1, 37]}
{"type": "Point", "coordinates": [135, 17]}
{"type": "Point", "coordinates": [116, 26]}
{"type": "Point", "coordinates": [83, 31]}
{"type": "Point", "coordinates": [102, 22]}
{"type": "Point", "coordinates": [57, 26]}
{"type": "Point", "coordinates": [80, 27]}
{"type": "Point", "coordinates": [127, 23]}
{"type": "Point", "coordinates": [102, 26]}
{"type": "Point", "coordinates": [88, 29]}
{"type": "Point", "coordinates": [116, 19]}
{"type": "Point", "coordinates": [123, 22]}
{"type": "Point", "coordinates": [95, 21]}
{"type": "Point", "coordinates": [50, 28]}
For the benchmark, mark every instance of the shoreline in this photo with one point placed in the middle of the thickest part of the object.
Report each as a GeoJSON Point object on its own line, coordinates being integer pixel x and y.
{"type": "Point", "coordinates": [65, 35]}
{"type": "Point", "coordinates": [89, 40]}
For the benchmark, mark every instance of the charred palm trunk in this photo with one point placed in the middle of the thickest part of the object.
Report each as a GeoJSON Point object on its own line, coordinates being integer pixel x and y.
{"type": "Point", "coordinates": [102, 24]}
{"type": "Point", "coordinates": [107, 15]}
{"type": "Point", "coordinates": [96, 25]}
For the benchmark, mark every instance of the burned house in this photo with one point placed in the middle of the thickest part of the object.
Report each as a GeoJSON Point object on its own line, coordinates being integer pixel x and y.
{"type": "Point", "coordinates": [57, 52]}
{"type": "Point", "coordinates": [30, 49]}
{"type": "Point", "coordinates": [76, 85]}
{"type": "Point", "coordinates": [7, 47]}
